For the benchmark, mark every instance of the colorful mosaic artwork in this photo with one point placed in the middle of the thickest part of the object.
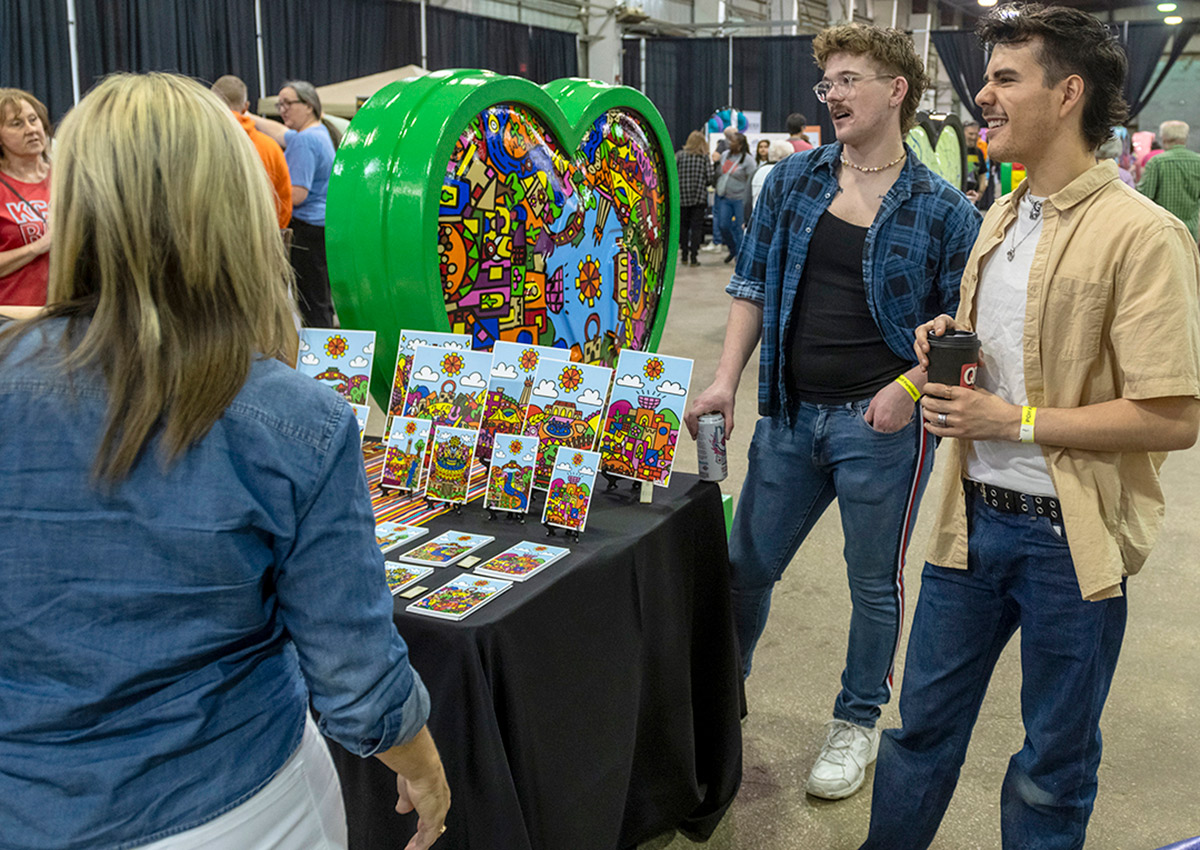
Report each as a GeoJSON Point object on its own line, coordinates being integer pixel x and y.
{"type": "Point", "coordinates": [519, 562]}
{"type": "Point", "coordinates": [564, 410]}
{"type": "Point", "coordinates": [409, 340]}
{"type": "Point", "coordinates": [641, 427]}
{"type": "Point", "coordinates": [404, 458]}
{"type": "Point", "coordinates": [450, 466]}
{"type": "Point", "coordinates": [571, 489]}
{"type": "Point", "coordinates": [510, 478]}
{"type": "Point", "coordinates": [513, 368]}
{"type": "Point", "coordinates": [448, 386]}
{"type": "Point", "coordinates": [339, 359]}
{"type": "Point", "coordinates": [460, 597]}
{"type": "Point", "coordinates": [541, 245]}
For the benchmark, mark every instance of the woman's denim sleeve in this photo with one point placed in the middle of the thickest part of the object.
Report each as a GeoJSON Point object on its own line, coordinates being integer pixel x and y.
{"type": "Point", "coordinates": [336, 606]}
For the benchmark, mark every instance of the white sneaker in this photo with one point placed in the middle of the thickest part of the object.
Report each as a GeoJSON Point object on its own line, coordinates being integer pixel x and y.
{"type": "Point", "coordinates": [710, 248]}
{"type": "Point", "coordinates": [842, 764]}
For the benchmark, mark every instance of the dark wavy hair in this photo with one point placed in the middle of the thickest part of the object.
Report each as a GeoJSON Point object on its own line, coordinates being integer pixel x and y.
{"type": "Point", "coordinates": [1070, 42]}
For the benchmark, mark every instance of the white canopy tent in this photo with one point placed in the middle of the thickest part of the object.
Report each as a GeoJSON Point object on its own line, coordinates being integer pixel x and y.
{"type": "Point", "coordinates": [341, 100]}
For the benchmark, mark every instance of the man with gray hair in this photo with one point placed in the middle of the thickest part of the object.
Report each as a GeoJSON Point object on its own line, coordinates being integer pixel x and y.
{"type": "Point", "coordinates": [1172, 179]}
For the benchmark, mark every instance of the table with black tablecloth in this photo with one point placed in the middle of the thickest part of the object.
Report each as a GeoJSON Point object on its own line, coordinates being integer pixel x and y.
{"type": "Point", "coordinates": [594, 705]}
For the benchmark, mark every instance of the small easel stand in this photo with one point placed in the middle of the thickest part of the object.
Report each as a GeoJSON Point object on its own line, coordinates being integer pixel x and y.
{"type": "Point", "coordinates": [434, 503]}
{"type": "Point", "coordinates": [644, 490]}
{"type": "Point", "coordinates": [569, 533]}
{"type": "Point", "coordinates": [511, 516]}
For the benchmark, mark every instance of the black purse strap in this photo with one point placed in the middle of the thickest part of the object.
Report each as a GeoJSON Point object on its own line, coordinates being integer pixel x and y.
{"type": "Point", "coordinates": [12, 189]}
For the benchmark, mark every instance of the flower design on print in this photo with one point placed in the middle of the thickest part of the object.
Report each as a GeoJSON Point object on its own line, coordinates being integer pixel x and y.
{"type": "Point", "coordinates": [576, 459]}
{"type": "Point", "coordinates": [589, 282]}
{"type": "Point", "coordinates": [528, 360]}
{"type": "Point", "coordinates": [336, 346]}
{"type": "Point", "coordinates": [570, 378]}
{"type": "Point", "coordinates": [452, 364]}
{"type": "Point", "coordinates": [410, 428]}
{"type": "Point", "coordinates": [653, 369]}
{"type": "Point", "coordinates": [514, 447]}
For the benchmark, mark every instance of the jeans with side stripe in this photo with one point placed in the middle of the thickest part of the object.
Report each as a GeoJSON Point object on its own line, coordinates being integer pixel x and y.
{"type": "Point", "coordinates": [795, 472]}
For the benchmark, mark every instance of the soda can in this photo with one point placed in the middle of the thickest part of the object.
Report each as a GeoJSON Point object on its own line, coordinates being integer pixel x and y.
{"type": "Point", "coordinates": [710, 447]}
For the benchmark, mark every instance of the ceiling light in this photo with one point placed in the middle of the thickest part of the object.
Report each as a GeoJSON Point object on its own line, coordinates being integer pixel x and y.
{"type": "Point", "coordinates": [987, 2]}
{"type": "Point", "coordinates": [1166, 7]}
{"type": "Point", "coordinates": [1172, 19]}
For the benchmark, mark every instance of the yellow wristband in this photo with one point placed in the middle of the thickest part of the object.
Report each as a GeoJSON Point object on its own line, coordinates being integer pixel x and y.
{"type": "Point", "coordinates": [1028, 414]}
{"type": "Point", "coordinates": [909, 387]}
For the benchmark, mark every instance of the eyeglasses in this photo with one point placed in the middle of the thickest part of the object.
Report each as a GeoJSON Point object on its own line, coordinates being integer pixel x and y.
{"type": "Point", "coordinates": [280, 103]}
{"type": "Point", "coordinates": [846, 84]}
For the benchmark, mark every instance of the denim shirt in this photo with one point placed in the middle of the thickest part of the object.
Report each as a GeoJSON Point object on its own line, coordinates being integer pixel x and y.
{"type": "Point", "coordinates": [913, 259]}
{"type": "Point", "coordinates": [160, 639]}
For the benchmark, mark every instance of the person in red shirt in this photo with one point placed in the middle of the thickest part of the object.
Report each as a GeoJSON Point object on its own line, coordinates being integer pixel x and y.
{"type": "Point", "coordinates": [232, 90]}
{"type": "Point", "coordinates": [796, 122]}
{"type": "Point", "coordinates": [24, 198]}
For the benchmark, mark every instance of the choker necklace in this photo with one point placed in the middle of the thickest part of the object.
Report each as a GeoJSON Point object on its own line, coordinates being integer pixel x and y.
{"type": "Point", "coordinates": [867, 169]}
{"type": "Point", "coordinates": [1034, 214]}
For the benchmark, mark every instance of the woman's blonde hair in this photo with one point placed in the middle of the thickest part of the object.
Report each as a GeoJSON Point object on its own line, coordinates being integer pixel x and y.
{"type": "Point", "coordinates": [167, 260]}
{"type": "Point", "coordinates": [696, 143]}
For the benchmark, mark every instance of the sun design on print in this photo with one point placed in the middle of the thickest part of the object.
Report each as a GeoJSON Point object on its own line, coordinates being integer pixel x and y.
{"type": "Point", "coordinates": [464, 537]}
{"type": "Point", "coordinates": [452, 364]}
{"type": "Point", "coordinates": [336, 346]}
{"type": "Point", "coordinates": [528, 360]}
{"type": "Point", "coordinates": [570, 379]}
{"type": "Point", "coordinates": [514, 447]}
{"type": "Point", "coordinates": [576, 459]}
{"type": "Point", "coordinates": [653, 369]}
{"type": "Point", "coordinates": [410, 428]}
{"type": "Point", "coordinates": [589, 282]}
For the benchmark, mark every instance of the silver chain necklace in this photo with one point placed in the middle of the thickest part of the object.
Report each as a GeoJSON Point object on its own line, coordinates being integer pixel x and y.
{"type": "Point", "coordinates": [1034, 214]}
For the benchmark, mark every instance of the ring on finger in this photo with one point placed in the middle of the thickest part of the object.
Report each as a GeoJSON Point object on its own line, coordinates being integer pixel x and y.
{"type": "Point", "coordinates": [941, 420]}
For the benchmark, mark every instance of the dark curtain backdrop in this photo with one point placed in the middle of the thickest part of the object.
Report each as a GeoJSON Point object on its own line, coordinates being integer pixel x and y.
{"type": "Point", "coordinates": [459, 40]}
{"type": "Point", "coordinates": [1144, 44]}
{"type": "Point", "coordinates": [964, 60]}
{"type": "Point", "coordinates": [555, 54]}
{"type": "Point", "coordinates": [688, 80]}
{"type": "Point", "coordinates": [631, 62]}
{"type": "Point", "coordinates": [34, 52]}
{"type": "Point", "coordinates": [776, 75]}
{"type": "Point", "coordinates": [200, 38]}
{"type": "Point", "coordinates": [326, 42]}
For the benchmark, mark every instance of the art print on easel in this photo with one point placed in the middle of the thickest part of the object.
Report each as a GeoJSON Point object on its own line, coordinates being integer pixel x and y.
{"type": "Point", "coordinates": [564, 410]}
{"type": "Point", "coordinates": [409, 340]}
{"type": "Point", "coordinates": [513, 367]}
{"type": "Point", "coordinates": [450, 464]}
{"type": "Point", "coordinates": [404, 458]}
{"type": "Point", "coordinates": [510, 478]}
{"type": "Point", "coordinates": [361, 413]}
{"type": "Point", "coordinates": [339, 359]}
{"type": "Point", "coordinates": [641, 427]}
{"type": "Point", "coordinates": [571, 489]}
{"type": "Point", "coordinates": [448, 386]}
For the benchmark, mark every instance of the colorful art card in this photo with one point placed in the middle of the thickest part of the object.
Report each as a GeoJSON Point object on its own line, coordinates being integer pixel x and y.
{"type": "Point", "coordinates": [446, 549]}
{"type": "Point", "coordinates": [571, 488]}
{"type": "Point", "coordinates": [513, 368]}
{"type": "Point", "coordinates": [404, 466]}
{"type": "Point", "coordinates": [339, 359]}
{"type": "Point", "coordinates": [361, 412]}
{"type": "Point", "coordinates": [517, 563]}
{"type": "Point", "coordinates": [448, 386]}
{"type": "Point", "coordinates": [458, 598]}
{"type": "Point", "coordinates": [510, 478]}
{"type": "Point", "coordinates": [389, 535]}
{"type": "Point", "coordinates": [641, 427]}
{"type": "Point", "coordinates": [409, 340]}
{"type": "Point", "coordinates": [565, 409]}
{"type": "Point", "coordinates": [450, 466]}
{"type": "Point", "coordinates": [400, 576]}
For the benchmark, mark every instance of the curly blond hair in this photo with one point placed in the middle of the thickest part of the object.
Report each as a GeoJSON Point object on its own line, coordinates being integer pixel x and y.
{"type": "Point", "coordinates": [891, 49]}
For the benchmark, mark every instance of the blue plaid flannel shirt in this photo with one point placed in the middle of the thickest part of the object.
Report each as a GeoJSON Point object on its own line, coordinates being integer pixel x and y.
{"type": "Point", "coordinates": [913, 258]}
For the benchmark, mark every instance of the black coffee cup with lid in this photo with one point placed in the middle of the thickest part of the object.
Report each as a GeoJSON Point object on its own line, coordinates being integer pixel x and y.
{"type": "Point", "coordinates": [954, 358]}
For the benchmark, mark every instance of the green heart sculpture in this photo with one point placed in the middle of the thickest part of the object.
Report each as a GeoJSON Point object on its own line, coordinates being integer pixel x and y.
{"type": "Point", "coordinates": [470, 202]}
{"type": "Point", "coordinates": [938, 142]}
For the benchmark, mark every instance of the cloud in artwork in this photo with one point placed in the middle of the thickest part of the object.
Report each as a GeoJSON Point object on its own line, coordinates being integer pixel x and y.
{"type": "Point", "coordinates": [591, 397]}
{"type": "Point", "coordinates": [427, 376]}
{"type": "Point", "coordinates": [310, 359]}
{"type": "Point", "coordinates": [452, 344]}
{"type": "Point", "coordinates": [413, 343]}
{"type": "Point", "coordinates": [474, 381]}
{"type": "Point", "coordinates": [503, 370]}
{"type": "Point", "coordinates": [671, 388]}
{"type": "Point", "coordinates": [304, 346]}
{"type": "Point", "coordinates": [586, 471]}
{"type": "Point", "coordinates": [564, 467]}
{"type": "Point", "coordinates": [369, 348]}
{"type": "Point", "coordinates": [546, 389]}
{"type": "Point", "coordinates": [631, 381]}
{"type": "Point", "coordinates": [359, 362]}
{"type": "Point", "coordinates": [527, 458]}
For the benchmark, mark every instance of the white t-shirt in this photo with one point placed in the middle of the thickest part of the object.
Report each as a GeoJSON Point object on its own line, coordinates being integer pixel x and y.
{"type": "Point", "coordinates": [1000, 325]}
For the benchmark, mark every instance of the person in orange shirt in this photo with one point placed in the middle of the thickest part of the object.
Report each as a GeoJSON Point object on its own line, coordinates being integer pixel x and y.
{"type": "Point", "coordinates": [232, 90]}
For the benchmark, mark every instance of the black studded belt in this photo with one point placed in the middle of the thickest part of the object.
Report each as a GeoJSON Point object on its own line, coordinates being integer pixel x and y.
{"type": "Point", "coordinates": [1012, 502]}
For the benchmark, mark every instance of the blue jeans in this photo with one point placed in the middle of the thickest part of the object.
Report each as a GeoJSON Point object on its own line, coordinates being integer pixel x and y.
{"type": "Point", "coordinates": [1020, 575]}
{"type": "Point", "coordinates": [728, 218]}
{"type": "Point", "coordinates": [795, 472]}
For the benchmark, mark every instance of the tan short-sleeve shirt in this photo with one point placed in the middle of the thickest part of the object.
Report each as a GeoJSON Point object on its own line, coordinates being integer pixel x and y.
{"type": "Point", "coordinates": [1113, 311]}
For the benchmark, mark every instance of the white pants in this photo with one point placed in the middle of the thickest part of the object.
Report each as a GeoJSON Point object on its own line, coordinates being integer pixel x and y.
{"type": "Point", "coordinates": [299, 809]}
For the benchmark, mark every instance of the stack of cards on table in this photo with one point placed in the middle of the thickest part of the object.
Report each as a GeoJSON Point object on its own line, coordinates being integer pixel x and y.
{"type": "Point", "coordinates": [389, 535]}
{"type": "Point", "coordinates": [460, 597]}
{"type": "Point", "coordinates": [445, 549]}
{"type": "Point", "coordinates": [400, 576]}
{"type": "Point", "coordinates": [519, 562]}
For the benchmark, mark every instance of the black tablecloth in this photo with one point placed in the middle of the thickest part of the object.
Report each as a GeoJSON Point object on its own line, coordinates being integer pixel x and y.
{"type": "Point", "coordinates": [596, 704]}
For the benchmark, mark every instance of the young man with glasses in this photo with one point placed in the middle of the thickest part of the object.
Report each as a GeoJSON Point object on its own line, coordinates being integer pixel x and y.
{"type": "Point", "coordinates": [851, 245]}
{"type": "Point", "coordinates": [1090, 373]}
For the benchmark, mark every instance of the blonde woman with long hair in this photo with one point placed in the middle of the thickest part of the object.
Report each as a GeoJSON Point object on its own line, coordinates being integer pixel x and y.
{"type": "Point", "coordinates": [186, 539]}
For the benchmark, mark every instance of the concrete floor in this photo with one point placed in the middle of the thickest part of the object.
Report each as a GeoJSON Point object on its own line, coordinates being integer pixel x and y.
{"type": "Point", "coordinates": [1149, 794]}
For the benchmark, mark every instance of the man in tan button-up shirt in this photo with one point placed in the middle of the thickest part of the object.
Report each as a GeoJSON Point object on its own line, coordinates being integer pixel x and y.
{"type": "Point", "coordinates": [1086, 300]}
